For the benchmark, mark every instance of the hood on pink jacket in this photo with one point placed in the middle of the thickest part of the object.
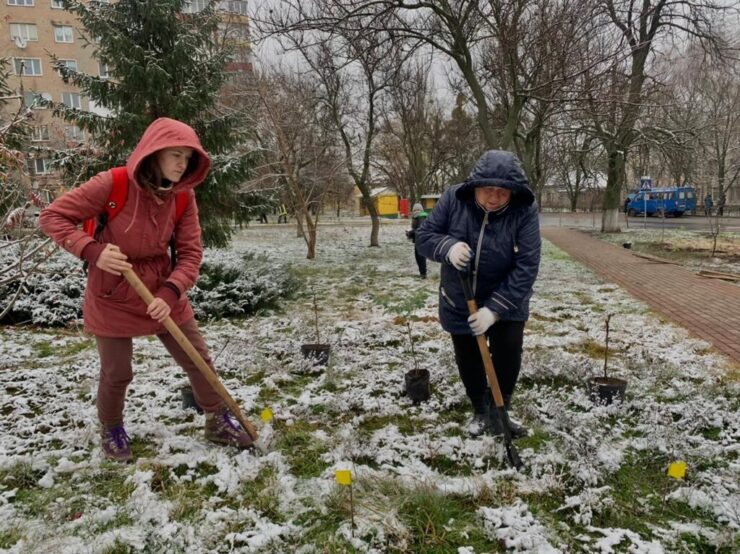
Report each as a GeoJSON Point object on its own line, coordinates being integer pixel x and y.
{"type": "Point", "coordinates": [170, 133]}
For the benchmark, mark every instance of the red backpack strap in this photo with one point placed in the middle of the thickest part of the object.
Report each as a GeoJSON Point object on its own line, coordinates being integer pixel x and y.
{"type": "Point", "coordinates": [115, 203]}
{"type": "Point", "coordinates": [119, 193]}
{"type": "Point", "coordinates": [181, 204]}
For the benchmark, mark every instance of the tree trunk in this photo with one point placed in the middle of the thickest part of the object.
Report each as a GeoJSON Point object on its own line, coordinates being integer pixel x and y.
{"type": "Point", "coordinates": [615, 171]}
{"type": "Point", "coordinates": [311, 242]}
{"type": "Point", "coordinates": [375, 232]}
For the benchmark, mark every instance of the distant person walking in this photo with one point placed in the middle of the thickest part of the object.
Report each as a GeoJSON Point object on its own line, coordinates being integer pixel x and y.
{"type": "Point", "coordinates": [708, 204]}
{"type": "Point", "coordinates": [418, 215]}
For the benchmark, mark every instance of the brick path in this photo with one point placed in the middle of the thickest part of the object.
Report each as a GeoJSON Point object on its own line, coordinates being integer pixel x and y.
{"type": "Point", "coordinates": [709, 308]}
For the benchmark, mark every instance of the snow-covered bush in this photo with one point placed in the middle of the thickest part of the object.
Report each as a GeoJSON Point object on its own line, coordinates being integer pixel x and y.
{"type": "Point", "coordinates": [233, 285]}
{"type": "Point", "coordinates": [230, 285]}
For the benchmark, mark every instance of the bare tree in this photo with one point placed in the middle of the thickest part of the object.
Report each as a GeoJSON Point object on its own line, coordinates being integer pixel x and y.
{"type": "Point", "coordinates": [354, 67]}
{"type": "Point", "coordinates": [411, 147]}
{"type": "Point", "coordinates": [574, 158]}
{"type": "Point", "coordinates": [616, 92]}
{"type": "Point", "coordinates": [720, 91]}
{"type": "Point", "coordinates": [299, 150]}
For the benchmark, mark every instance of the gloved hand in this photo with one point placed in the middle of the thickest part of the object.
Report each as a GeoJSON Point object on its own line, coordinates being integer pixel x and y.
{"type": "Point", "coordinates": [459, 255]}
{"type": "Point", "coordinates": [481, 320]}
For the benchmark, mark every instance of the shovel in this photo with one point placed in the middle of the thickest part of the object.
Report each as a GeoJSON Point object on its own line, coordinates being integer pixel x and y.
{"type": "Point", "coordinates": [498, 410]}
{"type": "Point", "coordinates": [186, 345]}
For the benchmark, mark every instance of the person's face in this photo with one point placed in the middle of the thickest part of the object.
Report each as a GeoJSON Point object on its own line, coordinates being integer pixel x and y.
{"type": "Point", "coordinates": [492, 198]}
{"type": "Point", "coordinates": [173, 162]}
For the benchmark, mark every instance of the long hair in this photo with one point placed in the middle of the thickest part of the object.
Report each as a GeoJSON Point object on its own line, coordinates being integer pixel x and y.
{"type": "Point", "coordinates": [150, 175]}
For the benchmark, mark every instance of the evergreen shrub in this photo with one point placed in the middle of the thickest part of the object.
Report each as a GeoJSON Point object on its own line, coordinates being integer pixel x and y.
{"type": "Point", "coordinates": [230, 285]}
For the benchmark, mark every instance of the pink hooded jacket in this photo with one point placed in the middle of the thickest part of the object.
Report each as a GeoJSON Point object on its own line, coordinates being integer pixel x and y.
{"type": "Point", "coordinates": [142, 230]}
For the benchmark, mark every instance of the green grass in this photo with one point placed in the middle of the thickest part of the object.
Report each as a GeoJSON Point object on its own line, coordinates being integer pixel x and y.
{"type": "Point", "coordinates": [448, 466]}
{"type": "Point", "coordinates": [9, 538]}
{"type": "Point", "coordinates": [435, 522]}
{"type": "Point", "coordinates": [406, 424]}
{"type": "Point", "coordinates": [638, 494]}
{"type": "Point", "coordinates": [119, 548]}
{"type": "Point", "coordinates": [320, 526]}
{"type": "Point", "coordinates": [261, 494]}
{"type": "Point", "coordinates": [188, 497]}
{"type": "Point", "coordinates": [590, 348]}
{"type": "Point", "coordinates": [44, 349]}
{"type": "Point", "coordinates": [302, 450]}
{"type": "Point", "coordinates": [536, 441]}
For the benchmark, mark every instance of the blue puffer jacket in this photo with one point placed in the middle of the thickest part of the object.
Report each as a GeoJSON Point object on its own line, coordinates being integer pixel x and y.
{"type": "Point", "coordinates": [506, 245]}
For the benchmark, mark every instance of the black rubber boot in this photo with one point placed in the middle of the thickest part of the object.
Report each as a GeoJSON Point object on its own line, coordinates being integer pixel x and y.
{"type": "Point", "coordinates": [517, 429]}
{"type": "Point", "coordinates": [495, 427]}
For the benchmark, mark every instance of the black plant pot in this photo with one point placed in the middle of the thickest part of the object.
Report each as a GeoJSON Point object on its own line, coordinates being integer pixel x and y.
{"type": "Point", "coordinates": [188, 399]}
{"type": "Point", "coordinates": [605, 390]}
{"type": "Point", "coordinates": [417, 385]}
{"type": "Point", "coordinates": [317, 352]}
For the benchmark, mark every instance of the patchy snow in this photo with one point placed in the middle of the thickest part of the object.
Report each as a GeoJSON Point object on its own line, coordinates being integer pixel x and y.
{"type": "Point", "coordinates": [352, 414]}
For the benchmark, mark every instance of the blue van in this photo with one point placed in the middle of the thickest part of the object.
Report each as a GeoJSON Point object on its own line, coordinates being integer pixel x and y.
{"type": "Point", "coordinates": [674, 201]}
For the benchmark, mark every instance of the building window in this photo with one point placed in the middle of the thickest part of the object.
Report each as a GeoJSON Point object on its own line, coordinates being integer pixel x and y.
{"type": "Point", "coordinates": [71, 100]}
{"type": "Point", "coordinates": [27, 66]}
{"type": "Point", "coordinates": [40, 166]}
{"type": "Point", "coordinates": [33, 99]}
{"type": "Point", "coordinates": [57, 4]}
{"type": "Point", "coordinates": [235, 7]}
{"type": "Point", "coordinates": [25, 31]}
{"type": "Point", "coordinates": [39, 133]}
{"type": "Point", "coordinates": [20, 2]}
{"type": "Point", "coordinates": [195, 6]}
{"type": "Point", "coordinates": [69, 64]}
{"type": "Point", "coordinates": [103, 70]}
{"type": "Point", "coordinates": [73, 132]}
{"type": "Point", "coordinates": [29, 98]}
{"type": "Point", "coordinates": [63, 33]}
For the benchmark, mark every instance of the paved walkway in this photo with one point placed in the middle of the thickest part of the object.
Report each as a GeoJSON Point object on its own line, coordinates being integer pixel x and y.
{"type": "Point", "coordinates": [709, 308]}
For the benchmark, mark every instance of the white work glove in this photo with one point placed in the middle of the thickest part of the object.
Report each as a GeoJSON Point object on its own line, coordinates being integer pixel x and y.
{"type": "Point", "coordinates": [481, 320]}
{"type": "Point", "coordinates": [459, 255]}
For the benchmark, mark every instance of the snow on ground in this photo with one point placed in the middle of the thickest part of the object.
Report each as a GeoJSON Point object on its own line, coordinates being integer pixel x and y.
{"type": "Point", "coordinates": [58, 495]}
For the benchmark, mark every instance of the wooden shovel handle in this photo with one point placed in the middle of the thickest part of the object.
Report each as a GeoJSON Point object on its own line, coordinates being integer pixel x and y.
{"type": "Point", "coordinates": [487, 361]}
{"type": "Point", "coordinates": [187, 346]}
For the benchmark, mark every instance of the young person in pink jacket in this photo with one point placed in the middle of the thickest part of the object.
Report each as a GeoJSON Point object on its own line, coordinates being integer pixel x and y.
{"type": "Point", "coordinates": [169, 159]}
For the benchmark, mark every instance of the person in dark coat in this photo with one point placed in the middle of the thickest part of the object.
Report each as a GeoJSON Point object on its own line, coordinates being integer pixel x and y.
{"type": "Point", "coordinates": [418, 215]}
{"type": "Point", "coordinates": [708, 204]}
{"type": "Point", "coordinates": [486, 228]}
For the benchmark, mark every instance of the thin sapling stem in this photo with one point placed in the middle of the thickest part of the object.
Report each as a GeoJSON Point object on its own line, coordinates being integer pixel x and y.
{"type": "Point", "coordinates": [606, 347]}
{"type": "Point", "coordinates": [316, 317]}
{"type": "Point", "coordinates": [411, 340]}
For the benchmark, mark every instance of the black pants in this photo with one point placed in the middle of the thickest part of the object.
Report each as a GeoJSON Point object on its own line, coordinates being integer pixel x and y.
{"type": "Point", "coordinates": [421, 261]}
{"type": "Point", "coordinates": [505, 343]}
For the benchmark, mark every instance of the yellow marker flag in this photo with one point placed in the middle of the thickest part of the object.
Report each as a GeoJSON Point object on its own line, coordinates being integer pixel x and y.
{"type": "Point", "coordinates": [266, 415]}
{"type": "Point", "coordinates": [343, 476]}
{"type": "Point", "coordinates": [677, 470]}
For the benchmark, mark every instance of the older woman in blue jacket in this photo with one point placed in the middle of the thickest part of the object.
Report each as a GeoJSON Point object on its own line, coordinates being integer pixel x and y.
{"type": "Point", "coordinates": [487, 228]}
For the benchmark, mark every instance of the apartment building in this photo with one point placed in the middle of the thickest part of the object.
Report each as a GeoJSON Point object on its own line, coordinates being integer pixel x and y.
{"type": "Point", "coordinates": [31, 30]}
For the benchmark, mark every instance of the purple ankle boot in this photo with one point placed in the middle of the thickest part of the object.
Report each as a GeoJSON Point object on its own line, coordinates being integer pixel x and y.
{"type": "Point", "coordinates": [222, 427]}
{"type": "Point", "coordinates": [116, 444]}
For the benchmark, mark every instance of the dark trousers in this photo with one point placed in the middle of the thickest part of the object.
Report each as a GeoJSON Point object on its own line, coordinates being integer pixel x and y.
{"type": "Point", "coordinates": [116, 372]}
{"type": "Point", "coordinates": [421, 261]}
{"type": "Point", "coordinates": [505, 344]}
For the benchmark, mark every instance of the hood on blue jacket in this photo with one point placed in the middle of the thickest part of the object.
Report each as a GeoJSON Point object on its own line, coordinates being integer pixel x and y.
{"type": "Point", "coordinates": [498, 168]}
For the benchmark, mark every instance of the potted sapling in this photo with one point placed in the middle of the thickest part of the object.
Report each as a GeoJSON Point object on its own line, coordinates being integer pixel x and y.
{"type": "Point", "coordinates": [606, 389]}
{"type": "Point", "coordinates": [416, 380]}
{"type": "Point", "coordinates": [317, 352]}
